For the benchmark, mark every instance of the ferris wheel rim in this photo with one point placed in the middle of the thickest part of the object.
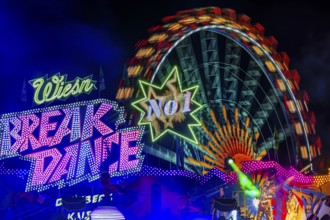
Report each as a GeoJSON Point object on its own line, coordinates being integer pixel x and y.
{"type": "Point", "coordinates": [217, 29]}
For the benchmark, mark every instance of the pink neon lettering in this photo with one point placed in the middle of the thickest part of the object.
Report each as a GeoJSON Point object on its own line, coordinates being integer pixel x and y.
{"type": "Point", "coordinates": [45, 126]}
{"type": "Point", "coordinates": [22, 142]}
{"type": "Point", "coordinates": [40, 174]}
{"type": "Point", "coordinates": [6, 147]}
{"type": "Point", "coordinates": [86, 152]}
{"type": "Point", "coordinates": [114, 138]}
{"type": "Point", "coordinates": [75, 128]}
{"type": "Point", "coordinates": [63, 129]}
{"type": "Point", "coordinates": [81, 159]}
{"type": "Point", "coordinates": [70, 158]}
{"type": "Point", "coordinates": [73, 162]}
{"type": "Point", "coordinates": [127, 151]}
{"type": "Point", "coordinates": [93, 121]}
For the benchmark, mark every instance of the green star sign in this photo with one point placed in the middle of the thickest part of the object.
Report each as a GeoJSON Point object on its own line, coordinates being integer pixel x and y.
{"type": "Point", "coordinates": [168, 108]}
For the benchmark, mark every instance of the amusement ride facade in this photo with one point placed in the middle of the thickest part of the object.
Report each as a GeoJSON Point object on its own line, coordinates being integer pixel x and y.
{"type": "Point", "coordinates": [252, 108]}
{"type": "Point", "coordinates": [209, 122]}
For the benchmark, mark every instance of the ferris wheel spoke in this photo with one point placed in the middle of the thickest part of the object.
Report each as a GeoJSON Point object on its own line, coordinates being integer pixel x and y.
{"type": "Point", "coordinates": [192, 76]}
{"type": "Point", "coordinates": [269, 143]}
{"type": "Point", "coordinates": [164, 70]}
{"type": "Point", "coordinates": [247, 95]}
{"type": "Point", "coordinates": [257, 119]}
{"type": "Point", "coordinates": [209, 45]}
{"type": "Point", "coordinates": [266, 109]}
{"type": "Point", "coordinates": [282, 135]}
{"type": "Point", "coordinates": [189, 67]}
{"type": "Point", "coordinates": [232, 58]}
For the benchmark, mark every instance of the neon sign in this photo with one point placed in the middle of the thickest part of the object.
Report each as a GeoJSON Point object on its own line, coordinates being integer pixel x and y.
{"type": "Point", "coordinates": [91, 200]}
{"type": "Point", "coordinates": [69, 143]}
{"type": "Point", "coordinates": [165, 108]}
{"type": "Point", "coordinates": [170, 107]}
{"type": "Point", "coordinates": [57, 88]}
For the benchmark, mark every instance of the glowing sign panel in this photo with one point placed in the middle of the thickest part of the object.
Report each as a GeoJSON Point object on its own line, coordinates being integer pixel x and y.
{"type": "Point", "coordinates": [57, 88]}
{"type": "Point", "coordinates": [169, 108]}
{"type": "Point", "coordinates": [69, 143]}
{"type": "Point", "coordinates": [91, 201]}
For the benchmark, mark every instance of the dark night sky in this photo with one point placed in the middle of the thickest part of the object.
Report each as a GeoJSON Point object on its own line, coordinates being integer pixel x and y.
{"type": "Point", "coordinates": [76, 37]}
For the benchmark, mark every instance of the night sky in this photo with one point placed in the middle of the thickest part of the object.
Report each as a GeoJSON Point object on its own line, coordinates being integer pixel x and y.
{"type": "Point", "coordinates": [76, 37]}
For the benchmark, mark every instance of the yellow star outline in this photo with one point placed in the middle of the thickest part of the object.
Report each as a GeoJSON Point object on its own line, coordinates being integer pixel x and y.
{"type": "Point", "coordinates": [172, 78]}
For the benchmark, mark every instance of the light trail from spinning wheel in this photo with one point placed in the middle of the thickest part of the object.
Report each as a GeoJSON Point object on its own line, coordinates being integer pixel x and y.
{"type": "Point", "coordinates": [253, 107]}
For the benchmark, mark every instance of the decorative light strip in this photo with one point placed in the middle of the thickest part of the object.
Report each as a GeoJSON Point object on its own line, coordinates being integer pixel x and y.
{"type": "Point", "coordinates": [20, 173]}
{"type": "Point", "coordinates": [299, 178]}
{"type": "Point", "coordinates": [231, 177]}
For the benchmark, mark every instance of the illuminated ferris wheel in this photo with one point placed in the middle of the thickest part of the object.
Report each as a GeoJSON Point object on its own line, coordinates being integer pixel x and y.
{"type": "Point", "coordinates": [252, 106]}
